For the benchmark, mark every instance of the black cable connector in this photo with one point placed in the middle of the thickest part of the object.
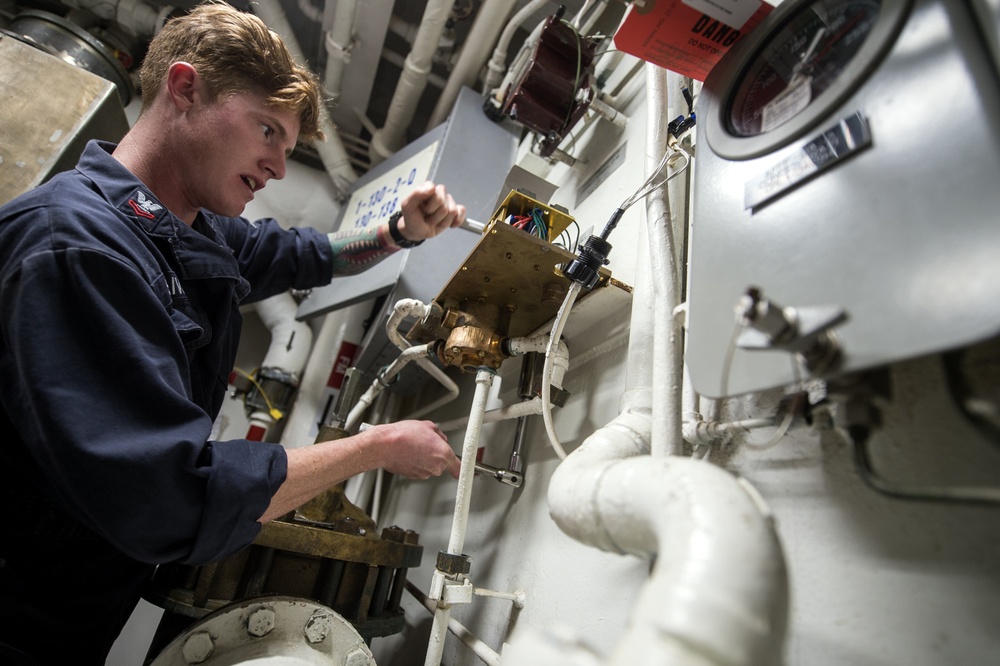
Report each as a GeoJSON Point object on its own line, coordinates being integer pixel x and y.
{"type": "Point", "coordinates": [689, 99]}
{"type": "Point", "coordinates": [593, 254]}
{"type": "Point", "coordinates": [584, 269]}
{"type": "Point", "coordinates": [681, 124]}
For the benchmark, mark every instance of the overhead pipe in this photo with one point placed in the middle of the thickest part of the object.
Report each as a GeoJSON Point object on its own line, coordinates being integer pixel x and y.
{"type": "Point", "coordinates": [334, 156]}
{"type": "Point", "coordinates": [339, 41]}
{"type": "Point", "coordinates": [138, 17]}
{"type": "Point", "coordinates": [412, 81]}
{"type": "Point", "coordinates": [496, 68]}
{"type": "Point", "coordinates": [394, 58]}
{"type": "Point", "coordinates": [584, 28]}
{"type": "Point", "coordinates": [490, 20]}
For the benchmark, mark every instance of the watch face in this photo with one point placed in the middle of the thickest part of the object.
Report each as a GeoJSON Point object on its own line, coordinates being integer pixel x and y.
{"type": "Point", "coordinates": [802, 59]}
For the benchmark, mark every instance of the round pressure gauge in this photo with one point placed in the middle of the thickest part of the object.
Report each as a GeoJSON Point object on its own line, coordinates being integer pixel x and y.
{"type": "Point", "coordinates": [789, 73]}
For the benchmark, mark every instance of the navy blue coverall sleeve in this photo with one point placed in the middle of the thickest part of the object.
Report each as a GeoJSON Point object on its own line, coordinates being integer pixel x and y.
{"type": "Point", "coordinates": [107, 411]}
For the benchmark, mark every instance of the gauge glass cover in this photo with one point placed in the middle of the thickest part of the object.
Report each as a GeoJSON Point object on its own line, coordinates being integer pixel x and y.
{"type": "Point", "coordinates": [801, 61]}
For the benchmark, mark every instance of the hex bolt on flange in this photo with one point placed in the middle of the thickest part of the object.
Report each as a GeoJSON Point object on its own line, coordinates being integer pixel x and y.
{"type": "Point", "coordinates": [261, 622]}
{"type": "Point", "coordinates": [318, 627]}
{"type": "Point", "coordinates": [198, 647]}
{"type": "Point", "coordinates": [357, 657]}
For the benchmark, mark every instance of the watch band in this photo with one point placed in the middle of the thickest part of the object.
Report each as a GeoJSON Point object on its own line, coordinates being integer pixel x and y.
{"type": "Point", "coordinates": [397, 237]}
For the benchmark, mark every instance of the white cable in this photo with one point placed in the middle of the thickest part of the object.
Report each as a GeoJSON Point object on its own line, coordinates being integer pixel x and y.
{"type": "Point", "coordinates": [649, 185]}
{"type": "Point", "coordinates": [557, 329]}
{"type": "Point", "coordinates": [779, 433]}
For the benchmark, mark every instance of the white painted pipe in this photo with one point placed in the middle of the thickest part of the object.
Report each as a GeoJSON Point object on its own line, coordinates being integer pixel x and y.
{"type": "Point", "coordinates": [487, 654]}
{"type": "Point", "coordinates": [515, 411]}
{"type": "Point", "coordinates": [383, 380]}
{"type": "Point", "coordinates": [484, 379]}
{"type": "Point", "coordinates": [291, 340]}
{"type": "Point", "coordinates": [339, 40]}
{"type": "Point", "coordinates": [134, 15]}
{"type": "Point", "coordinates": [639, 360]}
{"type": "Point", "coordinates": [668, 347]}
{"type": "Point", "coordinates": [489, 22]}
{"type": "Point", "coordinates": [331, 151]}
{"type": "Point", "coordinates": [395, 58]}
{"type": "Point", "coordinates": [540, 344]}
{"type": "Point", "coordinates": [409, 307]}
{"type": "Point", "coordinates": [291, 343]}
{"type": "Point", "coordinates": [336, 327]}
{"type": "Point", "coordinates": [608, 112]}
{"type": "Point", "coordinates": [460, 518]}
{"type": "Point", "coordinates": [718, 593]}
{"type": "Point", "coordinates": [595, 15]}
{"type": "Point", "coordinates": [496, 68]}
{"type": "Point", "coordinates": [412, 81]}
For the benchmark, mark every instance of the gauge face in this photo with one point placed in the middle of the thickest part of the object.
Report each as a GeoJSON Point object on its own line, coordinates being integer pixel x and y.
{"type": "Point", "coordinates": [803, 58]}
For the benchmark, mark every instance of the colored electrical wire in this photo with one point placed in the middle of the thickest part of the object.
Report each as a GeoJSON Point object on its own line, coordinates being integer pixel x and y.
{"type": "Point", "coordinates": [566, 233]}
{"type": "Point", "coordinates": [533, 223]}
{"type": "Point", "coordinates": [275, 413]}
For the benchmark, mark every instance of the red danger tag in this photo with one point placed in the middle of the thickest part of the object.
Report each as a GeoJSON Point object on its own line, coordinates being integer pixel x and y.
{"type": "Point", "coordinates": [673, 35]}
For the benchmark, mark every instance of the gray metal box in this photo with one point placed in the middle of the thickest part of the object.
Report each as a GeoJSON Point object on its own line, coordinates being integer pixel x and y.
{"type": "Point", "coordinates": [468, 154]}
{"type": "Point", "coordinates": [904, 235]}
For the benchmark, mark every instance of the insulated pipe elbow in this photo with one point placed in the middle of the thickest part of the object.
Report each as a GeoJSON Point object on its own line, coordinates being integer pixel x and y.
{"type": "Point", "coordinates": [575, 485]}
{"type": "Point", "coordinates": [407, 307]}
{"type": "Point", "coordinates": [539, 343]}
{"type": "Point", "coordinates": [291, 340]}
{"type": "Point", "coordinates": [718, 594]}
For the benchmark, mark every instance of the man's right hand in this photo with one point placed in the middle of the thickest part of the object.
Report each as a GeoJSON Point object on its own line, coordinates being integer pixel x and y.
{"type": "Point", "coordinates": [414, 449]}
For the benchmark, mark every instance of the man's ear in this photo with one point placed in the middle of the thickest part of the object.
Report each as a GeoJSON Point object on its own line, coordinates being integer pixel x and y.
{"type": "Point", "coordinates": [182, 81]}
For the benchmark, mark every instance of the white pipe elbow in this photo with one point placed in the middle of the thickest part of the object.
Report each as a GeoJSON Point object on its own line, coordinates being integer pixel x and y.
{"type": "Point", "coordinates": [407, 307]}
{"type": "Point", "coordinates": [718, 594]}
{"type": "Point", "coordinates": [575, 485]}
{"type": "Point", "coordinates": [291, 340]}
{"type": "Point", "coordinates": [539, 344]}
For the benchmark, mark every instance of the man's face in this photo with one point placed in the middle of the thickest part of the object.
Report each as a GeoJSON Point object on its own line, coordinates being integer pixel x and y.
{"type": "Point", "coordinates": [236, 146]}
